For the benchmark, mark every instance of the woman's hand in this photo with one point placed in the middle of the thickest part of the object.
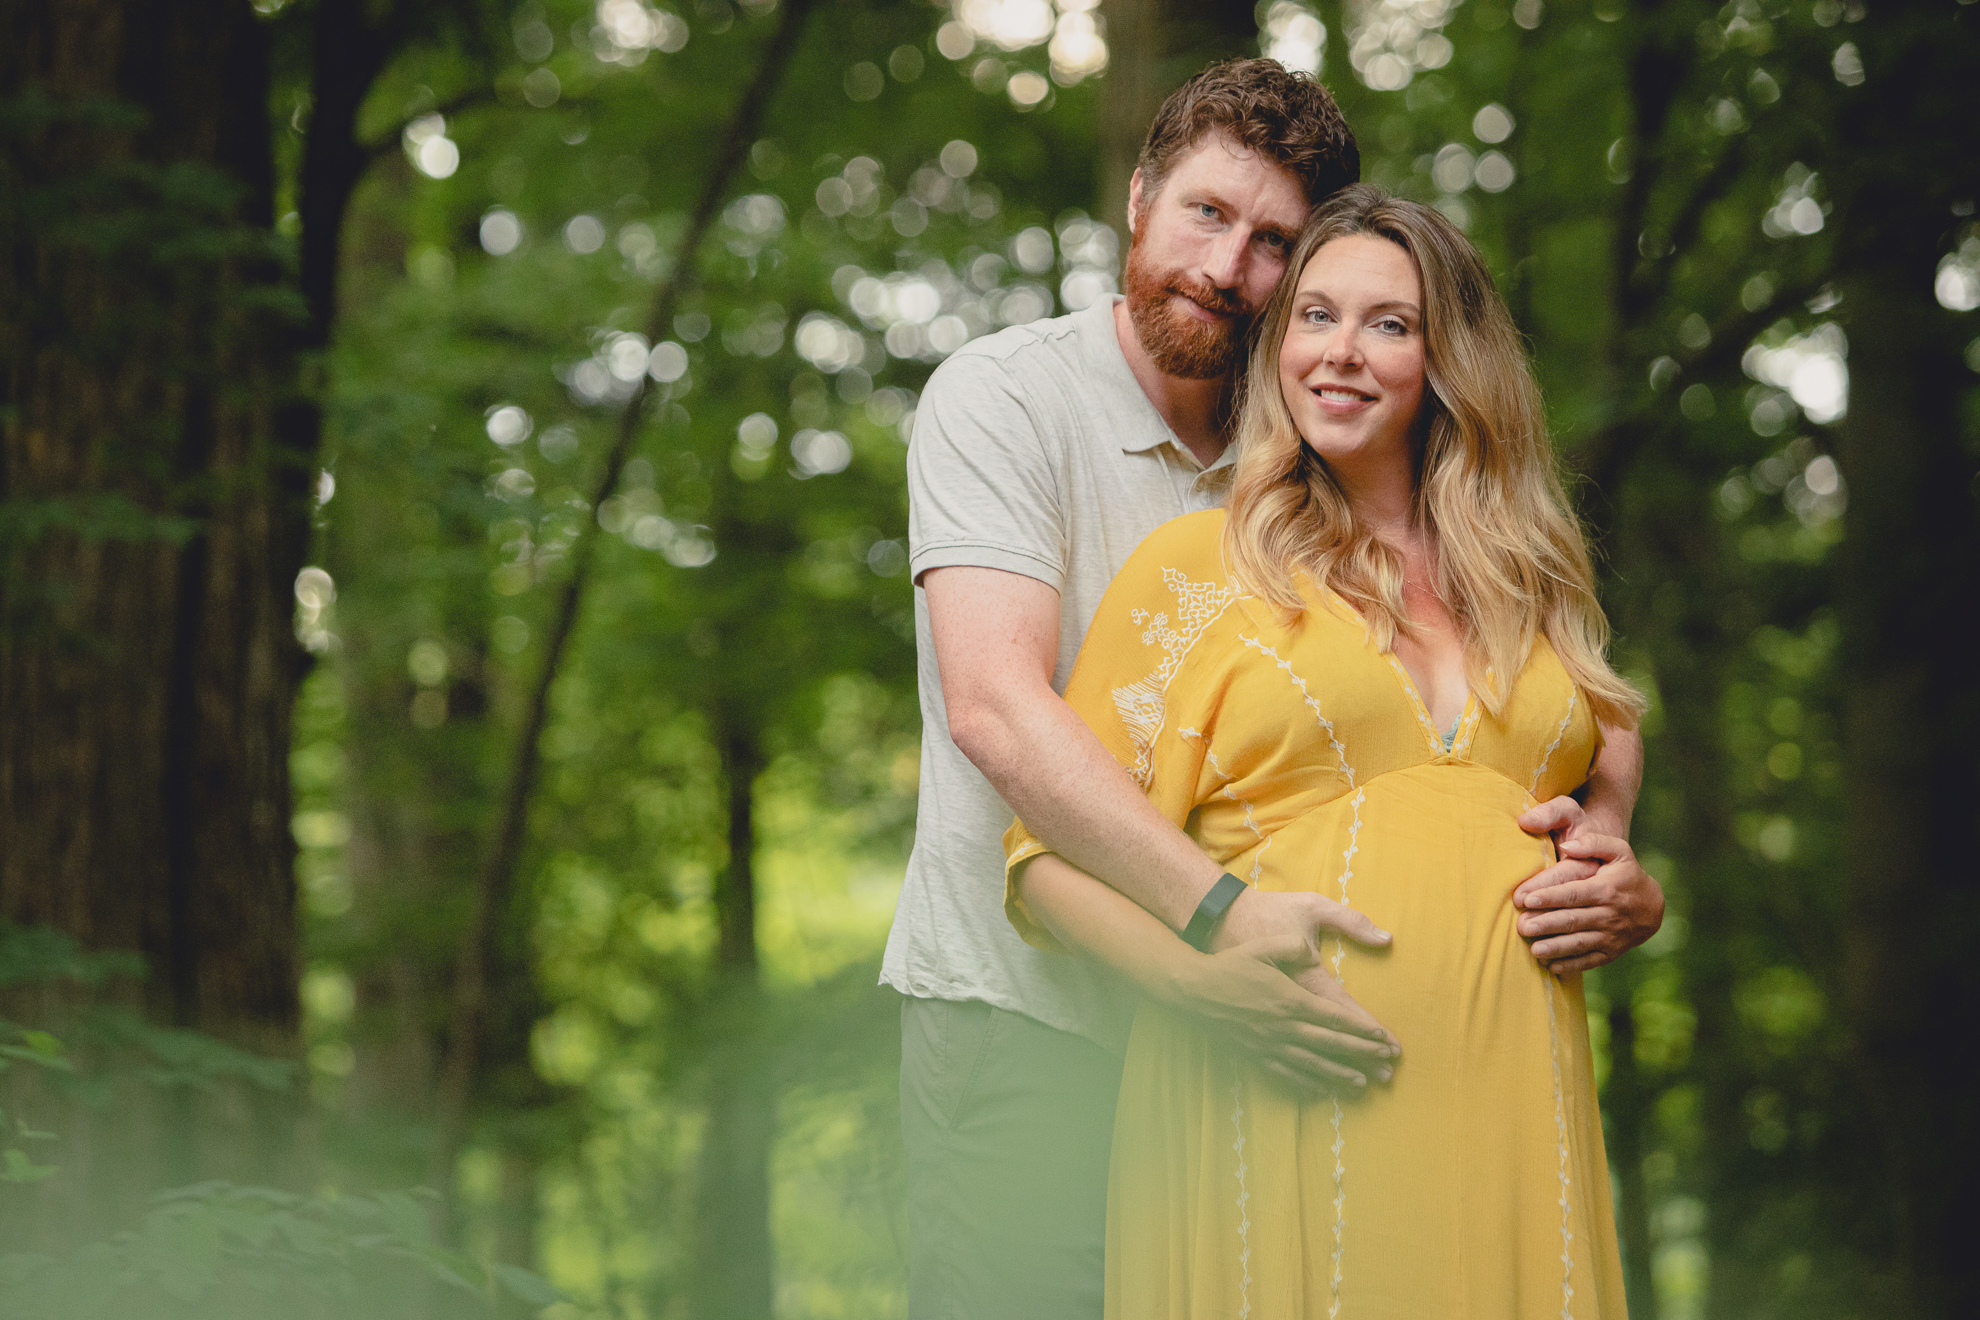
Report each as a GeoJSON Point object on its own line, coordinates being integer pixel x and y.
{"type": "Point", "coordinates": [1595, 904]}
{"type": "Point", "coordinates": [1270, 914]}
{"type": "Point", "coordinates": [1284, 930]}
{"type": "Point", "coordinates": [1272, 1000]}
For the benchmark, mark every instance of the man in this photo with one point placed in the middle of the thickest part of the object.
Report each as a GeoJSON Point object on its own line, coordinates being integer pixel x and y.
{"type": "Point", "coordinates": [1041, 457]}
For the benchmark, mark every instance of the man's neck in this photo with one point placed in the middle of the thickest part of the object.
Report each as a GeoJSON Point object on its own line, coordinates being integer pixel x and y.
{"type": "Point", "coordinates": [1198, 411]}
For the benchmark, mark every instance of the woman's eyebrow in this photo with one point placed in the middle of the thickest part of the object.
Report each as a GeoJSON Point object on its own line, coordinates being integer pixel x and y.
{"type": "Point", "coordinates": [1393, 305]}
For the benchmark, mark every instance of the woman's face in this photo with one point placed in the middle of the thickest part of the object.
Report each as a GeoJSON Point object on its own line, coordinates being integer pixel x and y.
{"type": "Point", "coordinates": [1351, 365]}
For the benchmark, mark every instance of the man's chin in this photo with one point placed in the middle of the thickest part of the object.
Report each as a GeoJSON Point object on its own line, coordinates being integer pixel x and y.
{"type": "Point", "coordinates": [1192, 350]}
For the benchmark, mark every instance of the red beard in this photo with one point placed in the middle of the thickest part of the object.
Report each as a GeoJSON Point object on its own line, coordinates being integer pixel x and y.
{"type": "Point", "coordinates": [1180, 344]}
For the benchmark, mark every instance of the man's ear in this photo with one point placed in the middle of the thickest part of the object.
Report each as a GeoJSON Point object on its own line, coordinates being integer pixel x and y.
{"type": "Point", "coordinates": [1134, 201]}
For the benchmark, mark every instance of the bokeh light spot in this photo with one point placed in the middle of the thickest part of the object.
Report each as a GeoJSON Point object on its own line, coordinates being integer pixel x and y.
{"type": "Point", "coordinates": [584, 234]}
{"type": "Point", "coordinates": [508, 425]}
{"type": "Point", "coordinates": [501, 233]}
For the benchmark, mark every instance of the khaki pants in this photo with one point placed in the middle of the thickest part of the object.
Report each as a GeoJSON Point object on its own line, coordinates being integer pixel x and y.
{"type": "Point", "coordinates": [1008, 1125]}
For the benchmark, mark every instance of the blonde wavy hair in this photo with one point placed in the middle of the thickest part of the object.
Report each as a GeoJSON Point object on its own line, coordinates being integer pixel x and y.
{"type": "Point", "coordinates": [1511, 562]}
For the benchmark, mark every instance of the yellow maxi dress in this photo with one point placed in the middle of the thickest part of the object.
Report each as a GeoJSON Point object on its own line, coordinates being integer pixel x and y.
{"type": "Point", "coordinates": [1474, 1185]}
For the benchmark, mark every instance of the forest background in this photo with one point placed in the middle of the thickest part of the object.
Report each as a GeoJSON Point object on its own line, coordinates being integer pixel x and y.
{"type": "Point", "coordinates": [458, 737]}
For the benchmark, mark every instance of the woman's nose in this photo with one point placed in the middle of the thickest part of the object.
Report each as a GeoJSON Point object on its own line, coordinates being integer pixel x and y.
{"type": "Point", "coordinates": [1341, 351]}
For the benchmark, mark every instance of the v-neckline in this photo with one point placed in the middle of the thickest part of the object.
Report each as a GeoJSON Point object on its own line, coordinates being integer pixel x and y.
{"type": "Point", "coordinates": [1467, 712]}
{"type": "Point", "coordinates": [1425, 720]}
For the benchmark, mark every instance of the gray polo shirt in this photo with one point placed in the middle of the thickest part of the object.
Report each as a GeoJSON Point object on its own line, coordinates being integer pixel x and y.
{"type": "Point", "coordinates": [1034, 452]}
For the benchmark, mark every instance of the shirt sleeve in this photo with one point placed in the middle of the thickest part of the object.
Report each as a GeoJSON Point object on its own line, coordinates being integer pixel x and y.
{"type": "Point", "coordinates": [1124, 685]}
{"type": "Point", "coordinates": [982, 476]}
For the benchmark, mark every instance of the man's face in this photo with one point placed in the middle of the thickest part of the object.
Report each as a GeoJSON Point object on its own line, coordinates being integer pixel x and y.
{"type": "Point", "coordinates": [1207, 250]}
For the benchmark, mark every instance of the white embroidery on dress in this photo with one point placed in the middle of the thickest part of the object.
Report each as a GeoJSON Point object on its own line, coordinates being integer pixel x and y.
{"type": "Point", "coordinates": [1250, 822]}
{"type": "Point", "coordinates": [1143, 704]}
{"type": "Point", "coordinates": [1312, 705]}
{"type": "Point", "coordinates": [1561, 1140]}
{"type": "Point", "coordinates": [1415, 699]}
{"type": "Point", "coordinates": [1461, 745]}
{"type": "Point", "coordinates": [1533, 789]}
{"type": "Point", "coordinates": [1340, 1168]}
{"type": "Point", "coordinates": [1243, 1203]}
{"type": "Point", "coordinates": [1340, 954]}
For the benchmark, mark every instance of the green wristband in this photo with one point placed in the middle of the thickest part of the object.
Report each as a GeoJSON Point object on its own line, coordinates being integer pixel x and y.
{"type": "Point", "coordinates": [1203, 922]}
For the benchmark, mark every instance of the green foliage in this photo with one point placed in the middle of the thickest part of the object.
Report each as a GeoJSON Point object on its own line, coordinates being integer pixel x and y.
{"type": "Point", "coordinates": [219, 1252]}
{"type": "Point", "coordinates": [117, 1043]}
{"type": "Point", "coordinates": [214, 1249]}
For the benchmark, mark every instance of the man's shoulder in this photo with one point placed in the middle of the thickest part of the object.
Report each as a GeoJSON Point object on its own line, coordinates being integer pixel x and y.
{"type": "Point", "coordinates": [1014, 358]}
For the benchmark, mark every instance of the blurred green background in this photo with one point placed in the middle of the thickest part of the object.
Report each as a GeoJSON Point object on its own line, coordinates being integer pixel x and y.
{"type": "Point", "coordinates": [458, 738]}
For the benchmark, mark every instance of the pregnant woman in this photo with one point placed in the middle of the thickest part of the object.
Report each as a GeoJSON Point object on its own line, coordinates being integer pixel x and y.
{"type": "Point", "coordinates": [1353, 682]}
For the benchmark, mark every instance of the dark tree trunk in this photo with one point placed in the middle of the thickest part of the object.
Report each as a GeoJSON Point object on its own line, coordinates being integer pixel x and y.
{"type": "Point", "coordinates": [735, 1275]}
{"type": "Point", "coordinates": [1153, 47]}
{"type": "Point", "coordinates": [156, 520]}
{"type": "Point", "coordinates": [152, 523]}
{"type": "Point", "coordinates": [1910, 577]}
{"type": "Point", "coordinates": [1626, 1106]}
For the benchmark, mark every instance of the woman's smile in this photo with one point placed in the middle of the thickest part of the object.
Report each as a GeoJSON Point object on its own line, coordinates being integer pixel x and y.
{"type": "Point", "coordinates": [1339, 400]}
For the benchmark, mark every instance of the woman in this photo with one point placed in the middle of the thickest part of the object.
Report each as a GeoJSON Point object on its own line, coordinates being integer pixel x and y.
{"type": "Point", "coordinates": [1355, 681]}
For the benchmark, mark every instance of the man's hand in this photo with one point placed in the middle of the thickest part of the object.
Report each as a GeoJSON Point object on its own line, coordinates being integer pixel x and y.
{"type": "Point", "coordinates": [1595, 904]}
{"type": "Point", "coordinates": [1272, 1000]}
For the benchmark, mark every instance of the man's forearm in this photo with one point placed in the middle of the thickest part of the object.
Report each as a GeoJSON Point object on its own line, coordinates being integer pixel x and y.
{"type": "Point", "coordinates": [1052, 770]}
{"type": "Point", "coordinates": [1613, 782]}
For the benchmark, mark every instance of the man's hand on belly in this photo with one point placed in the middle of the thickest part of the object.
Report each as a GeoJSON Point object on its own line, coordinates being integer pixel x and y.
{"type": "Point", "coordinates": [1595, 904]}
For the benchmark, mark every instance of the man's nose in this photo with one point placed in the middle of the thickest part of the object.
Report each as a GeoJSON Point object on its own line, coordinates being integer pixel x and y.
{"type": "Point", "coordinates": [1225, 259]}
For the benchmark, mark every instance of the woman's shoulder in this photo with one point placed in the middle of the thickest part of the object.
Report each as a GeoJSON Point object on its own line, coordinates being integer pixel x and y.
{"type": "Point", "coordinates": [1192, 545]}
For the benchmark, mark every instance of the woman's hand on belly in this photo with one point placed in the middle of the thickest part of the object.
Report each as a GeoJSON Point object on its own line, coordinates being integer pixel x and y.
{"type": "Point", "coordinates": [1265, 914]}
{"type": "Point", "coordinates": [1273, 1001]}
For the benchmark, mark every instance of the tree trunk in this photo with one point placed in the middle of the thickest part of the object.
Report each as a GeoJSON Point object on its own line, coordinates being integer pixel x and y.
{"type": "Point", "coordinates": [151, 527]}
{"type": "Point", "coordinates": [155, 524]}
{"type": "Point", "coordinates": [735, 1277]}
{"type": "Point", "coordinates": [1911, 712]}
{"type": "Point", "coordinates": [1910, 638]}
{"type": "Point", "coordinates": [1152, 48]}
{"type": "Point", "coordinates": [1625, 1104]}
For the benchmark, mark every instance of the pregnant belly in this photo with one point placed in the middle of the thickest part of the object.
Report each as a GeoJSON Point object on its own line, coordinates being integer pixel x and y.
{"type": "Point", "coordinates": [1477, 1173]}
{"type": "Point", "coordinates": [1431, 855]}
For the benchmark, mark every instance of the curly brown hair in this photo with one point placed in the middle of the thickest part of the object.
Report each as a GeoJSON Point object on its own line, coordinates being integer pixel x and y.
{"type": "Point", "coordinates": [1286, 117]}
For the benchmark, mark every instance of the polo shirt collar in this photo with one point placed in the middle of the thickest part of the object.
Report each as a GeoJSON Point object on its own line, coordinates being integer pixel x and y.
{"type": "Point", "coordinates": [1145, 430]}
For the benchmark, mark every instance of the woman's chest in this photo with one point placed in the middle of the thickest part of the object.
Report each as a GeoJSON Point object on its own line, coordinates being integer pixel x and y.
{"type": "Point", "coordinates": [1315, 703]}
